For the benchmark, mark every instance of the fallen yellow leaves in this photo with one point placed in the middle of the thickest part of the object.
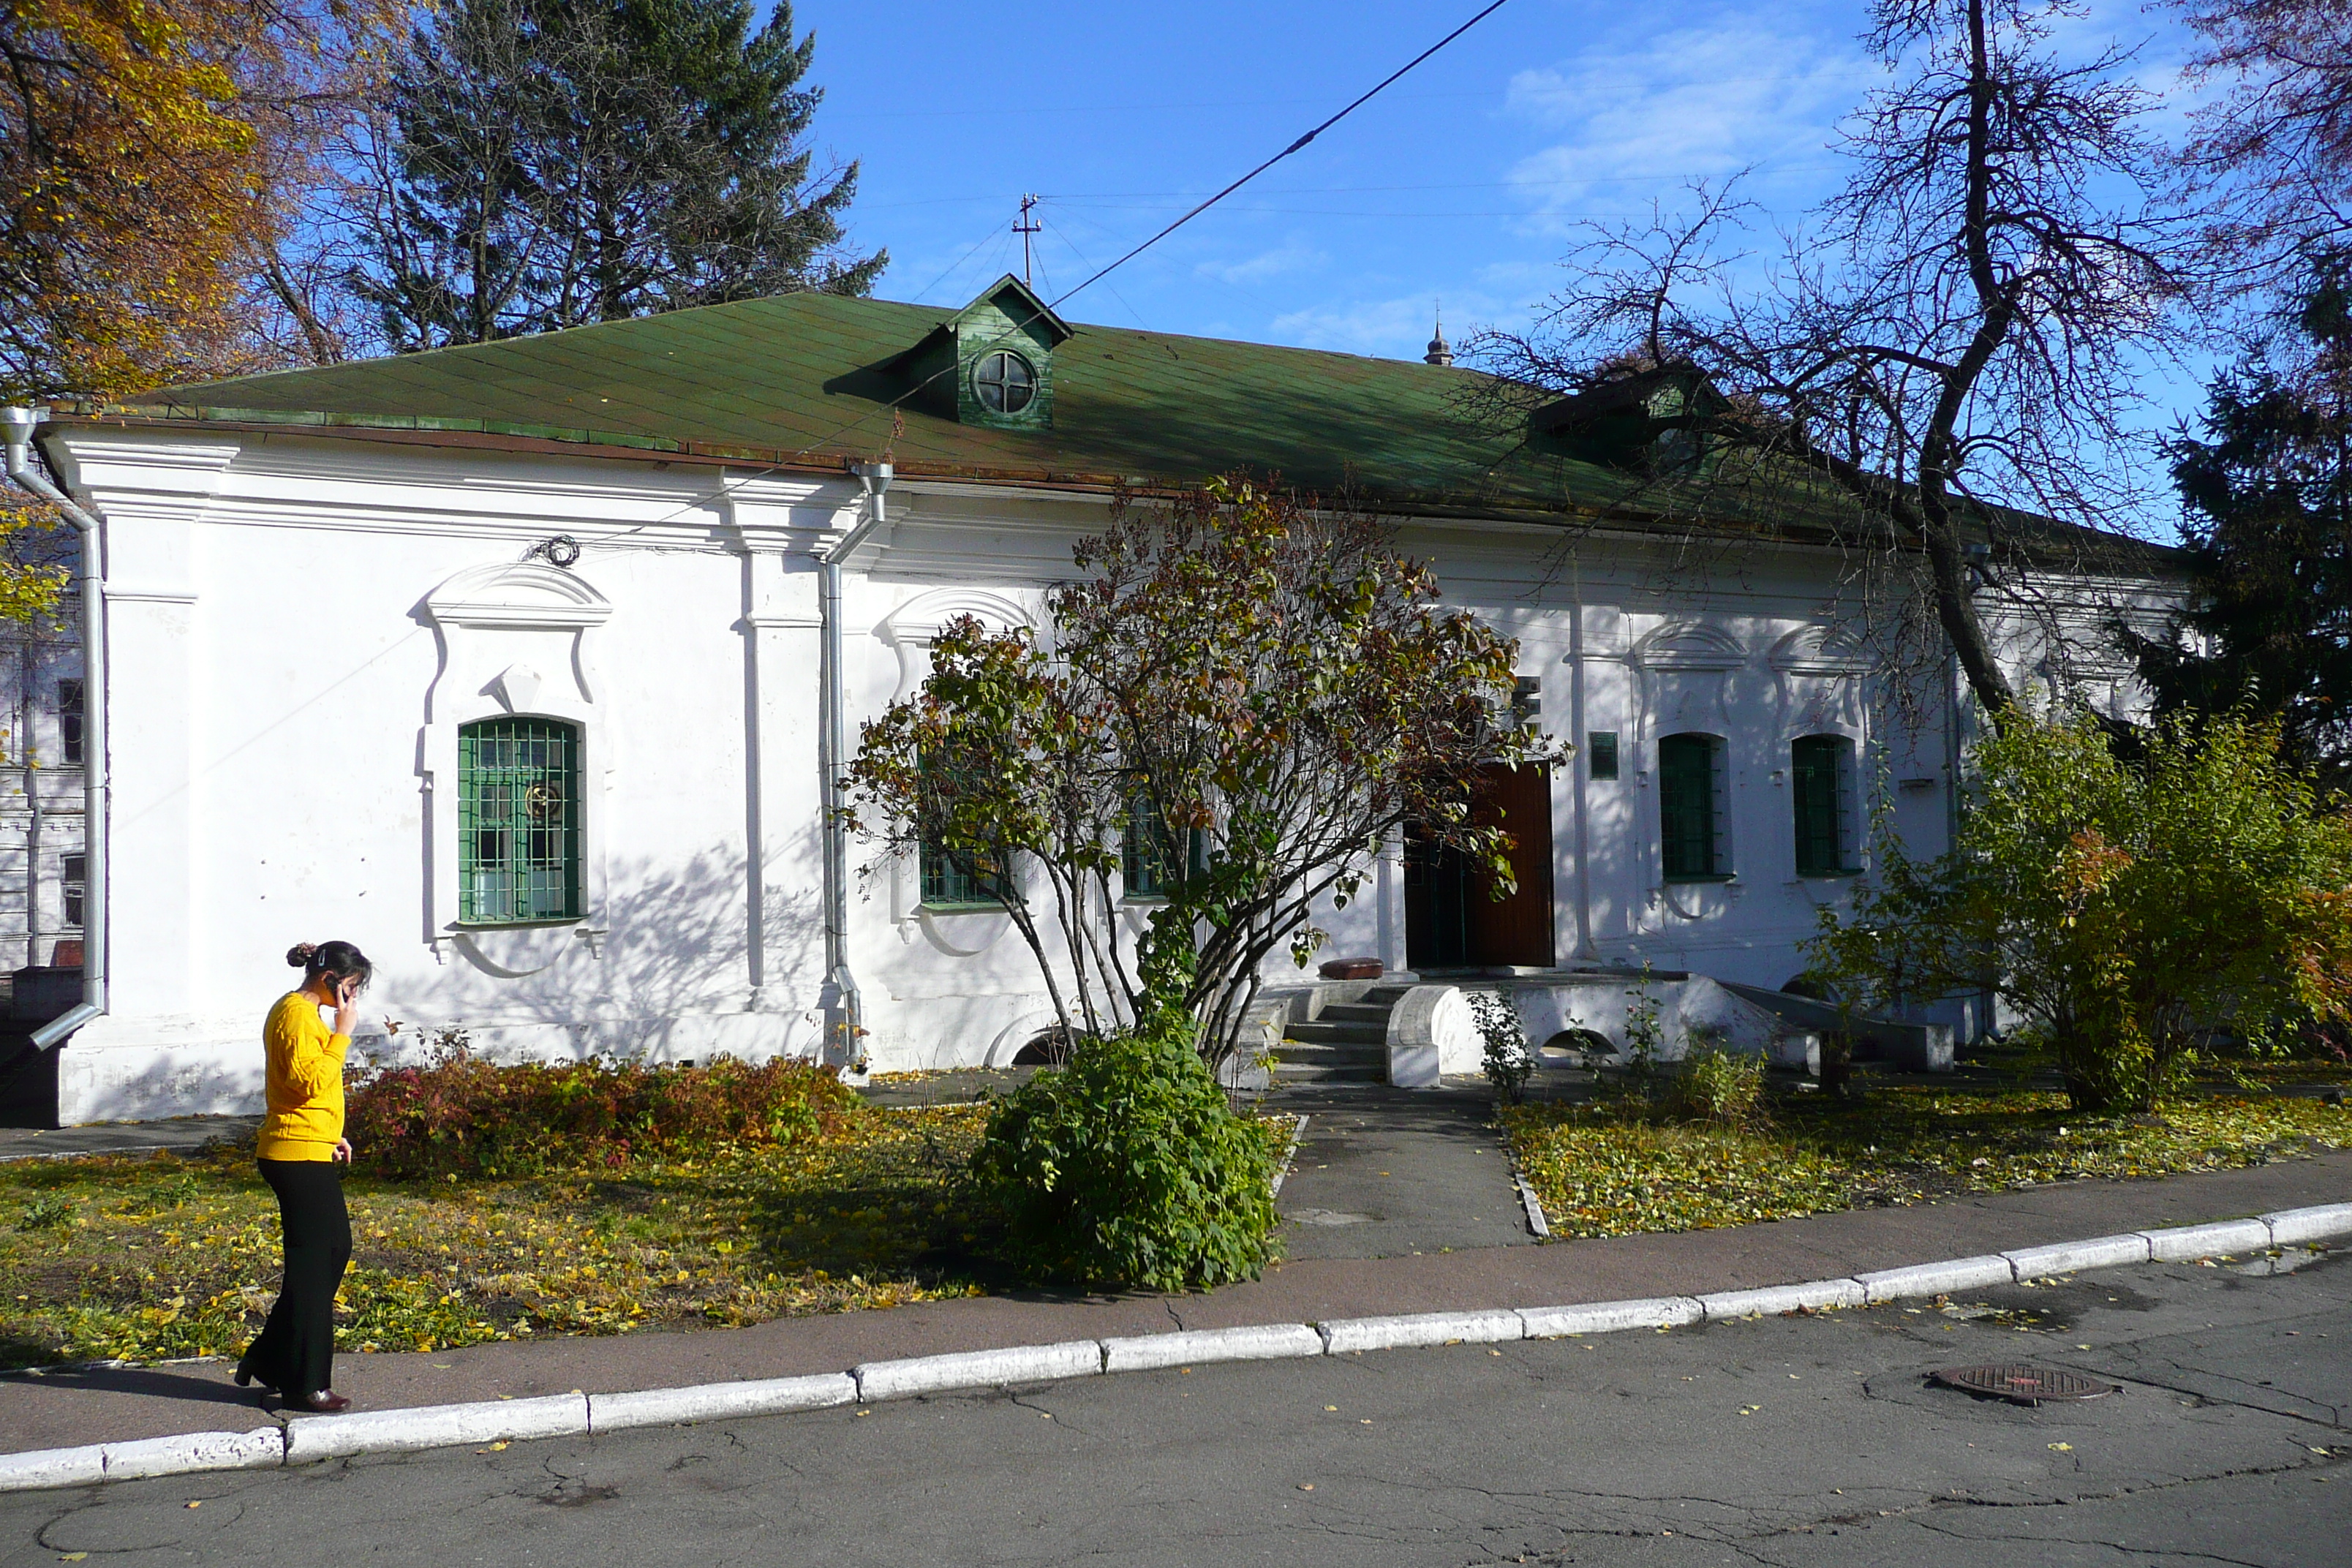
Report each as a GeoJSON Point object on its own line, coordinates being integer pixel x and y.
{"type": "Point", "coordinates": [178, 1256]}
{"type": "Point", "coordinates": [1613, 1168]}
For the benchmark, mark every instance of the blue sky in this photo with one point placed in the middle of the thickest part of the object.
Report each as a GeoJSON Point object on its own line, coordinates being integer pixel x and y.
{"type": "Point", "coordinates": [1460, 183]}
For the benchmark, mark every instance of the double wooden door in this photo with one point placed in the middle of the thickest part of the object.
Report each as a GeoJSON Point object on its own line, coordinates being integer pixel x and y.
{"type": "Point", "coordinates": [1453, 920]}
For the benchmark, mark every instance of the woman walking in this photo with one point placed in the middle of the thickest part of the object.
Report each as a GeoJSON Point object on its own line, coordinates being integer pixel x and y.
{"type": "Point", "coordinates": [300, 1143]}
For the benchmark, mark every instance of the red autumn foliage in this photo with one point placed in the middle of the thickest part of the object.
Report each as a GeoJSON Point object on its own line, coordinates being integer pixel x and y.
{"type": "Point", "coordinates": [460, 1116]}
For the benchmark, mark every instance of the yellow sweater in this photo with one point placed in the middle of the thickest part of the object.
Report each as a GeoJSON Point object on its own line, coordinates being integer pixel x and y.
{"type": "Point", "coordinates": [305, 1082]}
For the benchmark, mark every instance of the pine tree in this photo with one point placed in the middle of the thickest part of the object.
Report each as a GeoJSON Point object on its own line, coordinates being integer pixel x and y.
{"type": "Point", "coordinates": [2268, 531]}
{"type": "Point", "coordinates": [545, 164]}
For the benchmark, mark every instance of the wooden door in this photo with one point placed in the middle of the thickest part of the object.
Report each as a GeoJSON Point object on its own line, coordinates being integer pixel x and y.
{"type": "Point", "coordinates": [1516, 930]}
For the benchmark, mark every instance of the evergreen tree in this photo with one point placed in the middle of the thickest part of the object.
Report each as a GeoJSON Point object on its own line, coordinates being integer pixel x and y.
{"type": "Point", "coordinates": [544, 164]}
{"type": "Point", "coordinates": [2269, 530]}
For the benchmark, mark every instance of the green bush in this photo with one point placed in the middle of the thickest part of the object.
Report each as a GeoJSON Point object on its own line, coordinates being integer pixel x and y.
{"type": "Point", "coordinates": [1129, 1168]}
{"type": "Point", "coordinates": [2135, 912]}
{"type": "Point", "coordinates": [458, 1115]}
{"type": "Point", "coordinates": [1715, 1084]}
{"type": "Point", "coordinates": [1510, 1061]}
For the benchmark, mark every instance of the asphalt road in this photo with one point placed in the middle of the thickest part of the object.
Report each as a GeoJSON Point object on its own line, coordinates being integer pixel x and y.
{"type": "Point", "coordinates": [1808, 1440]}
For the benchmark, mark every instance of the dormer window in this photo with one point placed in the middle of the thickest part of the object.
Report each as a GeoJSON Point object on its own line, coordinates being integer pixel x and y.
{"type": "Point", "coordinates": [1003, 382]}
{"type": "Point", "coordinates": [991, 363]}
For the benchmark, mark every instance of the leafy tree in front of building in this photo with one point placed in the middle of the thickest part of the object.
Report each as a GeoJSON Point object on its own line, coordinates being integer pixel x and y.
{"type": "Point", "coordinates": [2137, 914]}
{"type": "Point", "coordinates": [545, 164]}
{"type": "Point", "coordinates": [1240, 699]}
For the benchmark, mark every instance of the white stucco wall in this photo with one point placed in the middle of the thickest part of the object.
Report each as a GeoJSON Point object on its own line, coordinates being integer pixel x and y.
{"type": "Point", "coordinates": [299, 624]}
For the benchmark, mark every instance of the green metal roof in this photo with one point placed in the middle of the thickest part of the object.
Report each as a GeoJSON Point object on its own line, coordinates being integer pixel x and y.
{"type": "Point", "coordinates": [800, 379]}
{"type": "Point", "coordinates": [803, 381]}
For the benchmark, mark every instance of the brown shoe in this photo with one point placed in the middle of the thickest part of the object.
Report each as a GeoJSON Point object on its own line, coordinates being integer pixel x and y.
{"type": "Point", "coordinates": [325, 1402]}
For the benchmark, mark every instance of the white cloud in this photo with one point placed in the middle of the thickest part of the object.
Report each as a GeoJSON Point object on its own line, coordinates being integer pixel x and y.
{"type": "Point", "coordinates": [1700, 101]}
{"type": "Point", "coordinates": [1295, 254]}
{"type": "Point", "coordinates": [1395, 328]}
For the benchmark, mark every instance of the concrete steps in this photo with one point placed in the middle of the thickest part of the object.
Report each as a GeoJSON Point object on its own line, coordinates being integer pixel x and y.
{"type": "Point", "coordinates": [1346, 1042]}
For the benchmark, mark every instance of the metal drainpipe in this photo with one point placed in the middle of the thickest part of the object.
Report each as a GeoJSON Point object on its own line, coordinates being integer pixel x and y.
{"type": "Point", "coordinates": [18, 425]}
{"type": "Point", "coordinates": [834, 757]}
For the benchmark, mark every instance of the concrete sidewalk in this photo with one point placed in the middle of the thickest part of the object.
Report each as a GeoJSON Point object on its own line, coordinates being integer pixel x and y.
{"type": "Point", "coordinates": [57, 1410]}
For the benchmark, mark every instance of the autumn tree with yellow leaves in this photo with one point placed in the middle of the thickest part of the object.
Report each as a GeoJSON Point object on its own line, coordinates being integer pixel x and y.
{"type": "Point", "coordinates": [156, 157]}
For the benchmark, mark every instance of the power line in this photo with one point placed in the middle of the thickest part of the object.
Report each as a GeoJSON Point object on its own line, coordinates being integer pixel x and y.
{"type": "Point", "coordinates": [1006, 336]}
{"type": "Point", "coordinates": [1205, 206]}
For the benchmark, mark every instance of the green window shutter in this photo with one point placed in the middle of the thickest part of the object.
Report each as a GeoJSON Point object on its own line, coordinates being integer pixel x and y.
{"type": "Point", "coordinates": [1686, 805]}
{"type": "Point", "coordinates": [1814, 777]}
{"type": "Point", "coordinates": [518, 821]}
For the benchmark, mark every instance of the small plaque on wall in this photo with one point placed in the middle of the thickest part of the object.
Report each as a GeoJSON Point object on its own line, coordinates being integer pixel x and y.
{"type": "Point", "coordinates": [1601, 751]}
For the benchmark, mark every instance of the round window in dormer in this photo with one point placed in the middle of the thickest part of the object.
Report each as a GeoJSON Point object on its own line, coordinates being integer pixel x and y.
{"type": "Point", "coordinates": [1004, 382]}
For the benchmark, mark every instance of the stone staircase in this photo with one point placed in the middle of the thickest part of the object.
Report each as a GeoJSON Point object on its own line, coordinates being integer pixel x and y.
{"type": "Point", "coordinates": [1345, 1043]}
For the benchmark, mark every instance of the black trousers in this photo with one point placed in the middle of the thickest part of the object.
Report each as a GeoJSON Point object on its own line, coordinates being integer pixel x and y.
{"type": "Point", "coordinates": [296, 1351]}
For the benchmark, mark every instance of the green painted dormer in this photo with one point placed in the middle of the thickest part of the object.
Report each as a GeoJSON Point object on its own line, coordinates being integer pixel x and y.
{"type": "Point", "coordinates": [991, 363]}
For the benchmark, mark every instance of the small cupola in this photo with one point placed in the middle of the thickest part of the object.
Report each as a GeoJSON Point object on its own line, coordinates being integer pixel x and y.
{"type": "Point", "coordinates": [991, 363]}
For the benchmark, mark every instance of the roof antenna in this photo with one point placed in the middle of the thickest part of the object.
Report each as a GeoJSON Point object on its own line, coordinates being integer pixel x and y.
{"type": "Point", "coordinates": [1438, 352]}
{"type": "Point", "coordinates": [1024, 226]}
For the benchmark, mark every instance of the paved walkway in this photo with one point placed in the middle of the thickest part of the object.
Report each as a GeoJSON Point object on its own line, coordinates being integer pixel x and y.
{"type": "Point", "coordinates": [62, 1409]}
{"type": "Point", "coordinates": [1391, 1173]}
{"type": "Point", "coordinates": [121, 1137]}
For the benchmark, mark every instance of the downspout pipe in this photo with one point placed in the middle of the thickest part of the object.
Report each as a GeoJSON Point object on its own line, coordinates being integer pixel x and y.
{"type": "Point", "coordinates": [16, 426]}
{"type": "Point", "coordinates": [834, 757]}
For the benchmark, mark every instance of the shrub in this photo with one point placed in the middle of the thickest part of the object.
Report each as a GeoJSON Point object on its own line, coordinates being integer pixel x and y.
{"type": "Point", "coordinates": [458, 1115]}
{"type": "Point", "coordinates": [1715, 1084]}
{"type": "Point", "coordinates": [1509, 1061]}
{"type": "Point", "coordinates": [1128, 1167]}
{"type": "Point", "coordinates": [2134, 912]}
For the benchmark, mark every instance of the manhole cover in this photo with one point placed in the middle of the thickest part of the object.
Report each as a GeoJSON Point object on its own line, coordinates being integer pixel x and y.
{"type": "Point", "coordinates": [2022, 1385]}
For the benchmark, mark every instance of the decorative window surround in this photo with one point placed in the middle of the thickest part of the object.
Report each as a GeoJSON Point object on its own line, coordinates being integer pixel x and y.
{"type": "Point", "coordinates": [910, 629]}
{"type": "Point", "coordinates": [514, 639]}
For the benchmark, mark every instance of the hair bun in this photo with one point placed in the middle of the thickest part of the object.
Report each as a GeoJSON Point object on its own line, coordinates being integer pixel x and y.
{"type": "Point", "coordinates": [299, 956]}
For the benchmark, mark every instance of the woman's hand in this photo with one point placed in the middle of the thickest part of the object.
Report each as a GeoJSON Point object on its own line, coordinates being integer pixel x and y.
{"type": "Point", "coordinates": [343, 1150]}
{"type": "Point", "coordinates": [347, 1007]}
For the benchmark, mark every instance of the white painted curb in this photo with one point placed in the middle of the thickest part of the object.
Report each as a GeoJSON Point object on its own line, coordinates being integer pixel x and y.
{"type": "Point", "coordinates": [1611, 1317]}
{"type": "Point", "coordinates": [718, 1400]}
{"type": "Point", "coordinates": [977, 1369]}
{"type": "Point", "coordinates": [2292, 1225]}
{"type": "Point", "coordinates": [314, 1437]}
{"type": "Point", "coordinates": [1812, 1296]}
{"type": "Point", "coordinates": [253, 1450]}
{"type": "Point", "coordinates": [309, 1438]}
{"type": "Point", "coordinates": [1198, 1347]}
{"type": "Point", "coordinates": [2072, 1257]}
{"type": "Point", "coordinates": [2188, 1243]}
{"type": "Point", "coordinates": [1345, 1336]}
{"type": "Point", "coordinates": [38, 1469]}
{"type": "Point", "coordinates": [1934, 1279]}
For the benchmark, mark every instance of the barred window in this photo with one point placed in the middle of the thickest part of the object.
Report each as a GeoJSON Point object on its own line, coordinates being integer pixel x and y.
{"type": "Point", "coordinates": [1692, 808]}
{"type": "Point", "coordinates": [1146, 864]}
{"type": "Point", "coordinates": [73, 884]}
{"type": "Point", "coordinates": [1823, 794]}
{"type": "Point", "coordinates": [518, 821]}
{"type": "Point", "coordinates": [949, 883]}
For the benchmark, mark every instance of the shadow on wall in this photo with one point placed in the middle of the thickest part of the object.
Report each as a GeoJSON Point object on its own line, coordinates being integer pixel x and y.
{"type": "Point", "coordinates": [667, 973]}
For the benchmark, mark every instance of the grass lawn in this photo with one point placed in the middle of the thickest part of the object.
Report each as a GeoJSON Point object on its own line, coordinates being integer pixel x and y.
{"type": "Point", "coordinates": [149, 1258]}
{"type": "Point", "coordinates": [1613, 1168]}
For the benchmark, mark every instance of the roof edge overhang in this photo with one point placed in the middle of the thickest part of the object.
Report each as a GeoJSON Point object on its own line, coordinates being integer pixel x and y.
{"type": "Point", "coordinates": [490, 435]}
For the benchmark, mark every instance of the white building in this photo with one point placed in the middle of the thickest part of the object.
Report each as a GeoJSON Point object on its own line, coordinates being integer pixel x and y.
{"type": "Point", "coordinates": [505, 663]}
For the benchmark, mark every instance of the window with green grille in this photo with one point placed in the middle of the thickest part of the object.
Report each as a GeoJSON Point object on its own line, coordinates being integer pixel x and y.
{"type": "Point", "coordinates": [1690, 806]}
{"type": "Point", "coordinates": [1821, 772]}
{"type": "Point", "coordinates": [1146, 867]}
{"type": "Point", "coordinates": [949, 883]}
{"type": "Point", "coordinates": [518, 821]}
